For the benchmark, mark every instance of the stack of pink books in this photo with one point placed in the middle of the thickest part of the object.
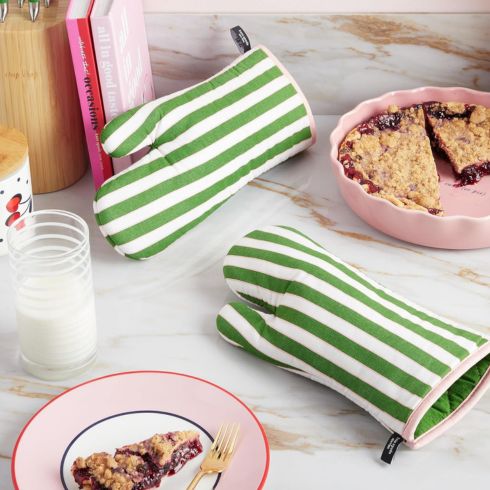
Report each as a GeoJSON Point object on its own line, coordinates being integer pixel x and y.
{"type": "Point", "coordinates": [112, 67]}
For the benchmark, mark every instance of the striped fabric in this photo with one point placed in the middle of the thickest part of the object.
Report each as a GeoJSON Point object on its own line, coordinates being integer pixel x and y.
{"type": "Point", "coordinates": [327, 321]}
{"type": "Point", "coordinates": [206, 143]}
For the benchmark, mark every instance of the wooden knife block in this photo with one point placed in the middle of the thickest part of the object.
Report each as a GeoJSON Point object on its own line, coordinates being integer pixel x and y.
{"type": "Point", "coordinates": [38, 94]}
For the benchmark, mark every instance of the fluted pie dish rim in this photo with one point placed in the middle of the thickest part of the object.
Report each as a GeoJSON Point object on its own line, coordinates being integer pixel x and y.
{"type": "Point", "coordinates": [458, 231]}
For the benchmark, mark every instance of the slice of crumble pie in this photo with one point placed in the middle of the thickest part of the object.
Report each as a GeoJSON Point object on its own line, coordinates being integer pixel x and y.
{"type": "Point", "coordinates": [390, 156]}
{"type": "Point", "coordinates": [462, 133]}
{"type": "Point", "coordinates": [137, 466]}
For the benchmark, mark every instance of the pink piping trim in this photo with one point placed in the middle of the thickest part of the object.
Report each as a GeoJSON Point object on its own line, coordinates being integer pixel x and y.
{"type": "Point", "coordinates": [428, 401]}
{"type": "Point", "coordinates": [298, 89]}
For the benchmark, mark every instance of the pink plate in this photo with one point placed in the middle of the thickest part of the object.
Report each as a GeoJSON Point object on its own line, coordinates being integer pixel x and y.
{"type": "Point", "coordinates": [466, 223]}
{"type": "Point", "coordinates": [122, 408]}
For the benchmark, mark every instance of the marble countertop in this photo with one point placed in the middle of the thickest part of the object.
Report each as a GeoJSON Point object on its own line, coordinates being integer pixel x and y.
{"type": "Point", "coordinates": [160, 314]}
{"type": "Point", "coordinates": [315, 6]}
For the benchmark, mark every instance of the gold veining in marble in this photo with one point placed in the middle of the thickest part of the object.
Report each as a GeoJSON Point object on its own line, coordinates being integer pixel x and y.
{"type": "Point", "coordinates": [281, 440]}
{"type": "Point", "coordinates": [20, 391]}
{"type": "Point", "coordinates": [372, 271]}
{"type": "Point", "coordinates": [362, 54]}
{"type": "Point", "coordinates": [473, 276]}
{"type": "Point", "coordinates": [302, 53]}
{"type": "Point", "coordinates": [301, 199]}
{"type": "Point", "coordinates": [280, 413]}
{"type": "Point", "coordinates": [382, 30]}
{"type": "Point", "coordinates": [30, 389]}
{"type": "Point", "coordinates": [163, 63]}
{"type": "Point", "coordinates": [313, 20]}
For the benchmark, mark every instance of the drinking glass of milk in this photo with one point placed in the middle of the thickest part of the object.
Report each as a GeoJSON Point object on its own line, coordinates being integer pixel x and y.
{"type": "Point", "coordinates": [54, 298]}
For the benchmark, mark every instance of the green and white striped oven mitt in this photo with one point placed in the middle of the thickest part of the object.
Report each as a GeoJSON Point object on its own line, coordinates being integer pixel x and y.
{"type": "Point", "coordinates": [413, 371]}
{"type": "Point", "coordinates": [206, 143]}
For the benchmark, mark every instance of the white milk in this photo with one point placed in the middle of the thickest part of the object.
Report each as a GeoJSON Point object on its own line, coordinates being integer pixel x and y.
{"type": "Point", "coordinates": [56, 323]}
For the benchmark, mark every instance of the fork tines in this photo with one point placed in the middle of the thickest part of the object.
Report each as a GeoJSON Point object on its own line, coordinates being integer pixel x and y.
{"type": "Point", "coordinates": [225, 441]}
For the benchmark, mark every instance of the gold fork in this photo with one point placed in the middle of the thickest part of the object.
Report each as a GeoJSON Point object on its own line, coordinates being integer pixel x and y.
{"type": "Point", "coordinates": [220, 453]}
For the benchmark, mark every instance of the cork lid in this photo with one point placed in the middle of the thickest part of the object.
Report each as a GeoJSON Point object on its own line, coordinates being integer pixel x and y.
{"type": "Point", "coordinates": [13, 150]}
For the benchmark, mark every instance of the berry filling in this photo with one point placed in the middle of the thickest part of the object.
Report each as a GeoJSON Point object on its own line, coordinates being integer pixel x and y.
{"type": "Point", "coordinates": [148, 473]}
{"type": "Point", "coordinates": [438, 111]}
{"type": "Point", "coordinates": [381, 122]}
{"type": "Point", "coordinates": [366, 128]}
{"type": "Point", "coordinates": [473, 174]}
{"type": "Point", "coordinates": [83, 478]}
{"type": "Point", "coordinates": [184, 454]}
{"type": "Point", "coordinates": [388, 121]}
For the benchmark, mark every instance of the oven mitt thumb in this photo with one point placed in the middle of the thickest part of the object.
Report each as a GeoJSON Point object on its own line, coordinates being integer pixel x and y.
{"type": "Point", "coordinates": [414, 372]}
{"type": "Point", "coordinates": [207, 142]}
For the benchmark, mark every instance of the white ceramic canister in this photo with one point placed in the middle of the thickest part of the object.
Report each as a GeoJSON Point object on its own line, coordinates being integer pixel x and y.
{"type": "Point", "coordinates": [15, 181]}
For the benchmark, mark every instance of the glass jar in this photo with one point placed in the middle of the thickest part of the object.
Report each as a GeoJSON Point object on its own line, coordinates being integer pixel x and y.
{"type": "Point", "coordinates": [51, 270]}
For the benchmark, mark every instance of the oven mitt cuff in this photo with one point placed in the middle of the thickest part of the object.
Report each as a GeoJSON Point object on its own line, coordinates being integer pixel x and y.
{"type": "Point", "coordinates": [206, 142]}
{"type": "Point", "coordinates": [413, 371]}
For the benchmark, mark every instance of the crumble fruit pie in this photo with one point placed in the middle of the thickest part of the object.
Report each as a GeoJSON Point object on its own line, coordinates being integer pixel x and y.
{"type": "Point", "coordinates": [137, 466]}
{"type": "Point", "coordinates": [390, 154]}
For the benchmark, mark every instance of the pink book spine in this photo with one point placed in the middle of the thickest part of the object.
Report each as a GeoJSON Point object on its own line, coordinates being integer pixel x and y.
{"type": "Point", "coordinates": [123, 61]}
{"type": "Point", "coordinates": [110, 81]}
{"type": "Point", "coordinates": [107, 65]}
{"type": "Point", "coordinates": [90, 102]}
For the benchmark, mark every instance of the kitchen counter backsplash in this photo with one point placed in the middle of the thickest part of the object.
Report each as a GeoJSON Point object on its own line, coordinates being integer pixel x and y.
{"type": "Point", "coordinates": [338, 60]}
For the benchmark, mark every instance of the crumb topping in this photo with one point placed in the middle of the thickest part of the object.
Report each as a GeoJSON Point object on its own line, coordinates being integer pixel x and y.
{"type": "Point", "coordinates": [105, 470]}
{"type": "Point", "coordinates": [392, 156]}
{"type": "Point", "coordinates": [161, 446]}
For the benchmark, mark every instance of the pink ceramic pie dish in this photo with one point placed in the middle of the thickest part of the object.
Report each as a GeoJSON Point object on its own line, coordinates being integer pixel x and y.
{"type": "Point", "coordinates": [466, 222]}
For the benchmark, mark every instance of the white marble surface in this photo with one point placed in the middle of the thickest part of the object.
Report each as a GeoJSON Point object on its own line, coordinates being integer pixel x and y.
{"type": "Point", "coordinates": [337, 59]}
{"type": "Point", "coordinates": [315, 6]}
{"type": "Point", "coordinates": [160, 315]}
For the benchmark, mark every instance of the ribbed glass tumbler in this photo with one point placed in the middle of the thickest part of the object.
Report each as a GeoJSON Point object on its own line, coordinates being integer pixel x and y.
{"type": "Point", "coordinates": [51, 270]}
